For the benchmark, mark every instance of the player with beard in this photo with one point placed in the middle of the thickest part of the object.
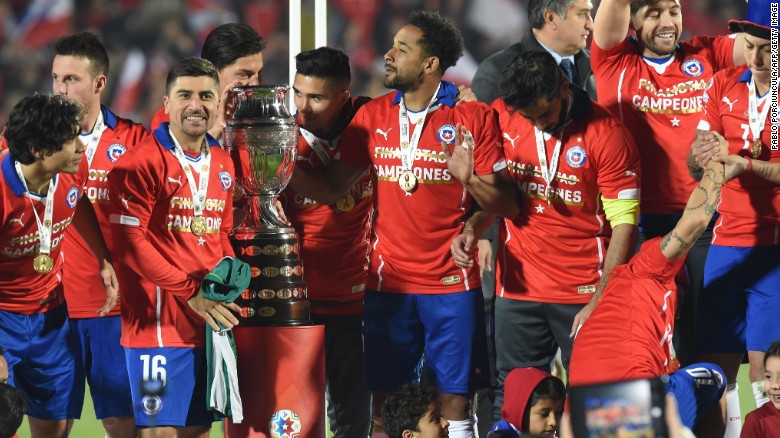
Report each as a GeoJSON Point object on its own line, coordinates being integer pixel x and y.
{"type": "Point", "coordinates": [578, 173]}
{"type": "Point", "coordinates": [654, 84]}
{"type": "Point", "coordinates": [334, 237]}
{"type": "Point", "coordinates": [741, 274]}
{"type": "Point", "coordinates": [417, 300]}
{"type": "Point", "coordinates": [79, 73]}
{"type": "Point", "coordinates": [171, 201]}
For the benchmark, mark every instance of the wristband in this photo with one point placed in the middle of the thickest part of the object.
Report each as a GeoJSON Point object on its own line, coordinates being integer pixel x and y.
{"type": "Point", "coordinates": [750, 165]}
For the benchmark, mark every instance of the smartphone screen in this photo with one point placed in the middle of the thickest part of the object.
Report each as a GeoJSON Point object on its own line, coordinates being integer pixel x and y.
{"type": "Point", "coordinates": [623, 409]}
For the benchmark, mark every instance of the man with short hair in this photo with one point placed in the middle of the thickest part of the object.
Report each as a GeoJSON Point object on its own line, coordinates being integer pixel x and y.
{"type": "Point", "coordinates": [559, 27]}
{"type": "Point", "coordinates": [236, 50]}
{"type": "Point", "coordinates": [578, 174]}
{"type": "Point", "coordinates": [334, 237]}
{"type": "Point", "coordinates": [41, 195]}
{"type": "Point", "coordinates": [171, 202]}
{"type": "Point", "coordinates": [654, 83]}
{"type": "Point", "coordinates": [742, 270]}
{"type": "Point", "coordinates": [416, 299]}
{"type": "Point", "coordinates": [79, 73]}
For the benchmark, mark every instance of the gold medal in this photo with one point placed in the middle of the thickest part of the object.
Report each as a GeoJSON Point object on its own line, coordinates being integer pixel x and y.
{"type": "Point", "coordinates": [404, 144]}
{"type": "Point", "coordinates": [198, 226]}
{"type": "Point", "coordinates": [407, 181]}
{"type": "Point", "coordinates": [43, 264]}
{"type": "Point", "coordinates": [755, 150]}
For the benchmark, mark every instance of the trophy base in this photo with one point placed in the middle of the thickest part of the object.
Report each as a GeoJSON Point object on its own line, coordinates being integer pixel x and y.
{"type": "Point", "coordinates": [277, 293]}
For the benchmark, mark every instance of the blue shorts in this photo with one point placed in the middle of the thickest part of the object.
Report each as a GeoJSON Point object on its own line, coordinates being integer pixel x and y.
{"type": "Point", "coordinates": [741, 299]}
{"type": "Point", "coordinates": [697, 388]}
{"type": "Point", "coordinates": [39, 360]}
{"type": "Point", "coordinates": [100, 360]}
{"type": "Point", "coordinates": [182, 401]}
{"type": "Point", "coordinates": [448, 328]}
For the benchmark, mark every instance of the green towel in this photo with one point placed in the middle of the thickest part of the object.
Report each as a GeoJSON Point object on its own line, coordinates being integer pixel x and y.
{"type": "Point", "coordinates": [224, 283]}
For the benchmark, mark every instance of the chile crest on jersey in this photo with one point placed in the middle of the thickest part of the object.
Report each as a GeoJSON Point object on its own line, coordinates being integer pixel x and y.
{"type": "Point", "coordinates": [115, 151]}
{"type": "Point", "coordinates": [692, 67]}
{"type": "Point", "coordinates": [73, 196]}
{"type": "Point", "coordinates": [446, 133]}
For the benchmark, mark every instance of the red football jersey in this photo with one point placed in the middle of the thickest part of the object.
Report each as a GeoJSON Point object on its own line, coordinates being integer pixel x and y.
{"type": "Point", "coordinates": [629, 335]}
{"type": "Point", "coordinates": [596, 158]}
{"type": "Point", "coordinates": [161, 261]}
{"type": "Point", "coordinates": [410, 243]}
{"type": "Point", "coordinates": [84, 291]}
{"type": "Point", "coordinates": [22, 289]}
{"type": "Point", "coordinates": [334, 238]}
{"type": "Point", "coordinates": [661, 105]}
{"type": "Point", "coordinates": [749, 205]}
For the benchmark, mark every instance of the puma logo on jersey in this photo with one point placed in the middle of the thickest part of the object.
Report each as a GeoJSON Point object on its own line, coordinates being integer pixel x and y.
{"type": "Point", "coordinates": [728, 102]}
{"type": "Point", "coordinates": [307, 159]}
{"type": "Point", "coordinates": [511, 140]}
{"type": "Point", "coordinates": [124, 200]}
{"type": "Point", "coordinates": [19, 219]}
{"type": "Point", "coordinates": [177, 181]}
{"type": "Point", "coordinates": [383, 133]}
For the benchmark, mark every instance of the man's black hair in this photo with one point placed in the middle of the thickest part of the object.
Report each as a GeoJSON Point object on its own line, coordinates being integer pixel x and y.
{"type": "Point", "coordinates": [12, 409]}
{"type": "Point", "coordinates": [41, 123]}
{"type": "Point", "coordinates": [404, 409]}
{"type": "Point", "coordinates": [440, 37]}
{"type": "Point", "coordinates": [530, 76]}
{"type": "Point", "coordinates": [537, 8]}
{"type": "Point", "coordinates": [194, 67]}
{"type": "Point", "coordinates": [228, 42]}
{"type": "Point", "coordinates": [85, 45]}
{"type": "Point", "coordinates": [324, 63]}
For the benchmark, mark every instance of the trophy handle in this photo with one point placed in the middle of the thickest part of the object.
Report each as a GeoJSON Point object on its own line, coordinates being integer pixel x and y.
{"type": "Point", "coordinates": [269, 215]}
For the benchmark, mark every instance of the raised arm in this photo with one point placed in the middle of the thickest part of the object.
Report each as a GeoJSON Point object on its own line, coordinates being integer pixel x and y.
{"type": "Point", "coordinates": [698, 212]}
{"type": "Point", "coordinates": [611, 23]}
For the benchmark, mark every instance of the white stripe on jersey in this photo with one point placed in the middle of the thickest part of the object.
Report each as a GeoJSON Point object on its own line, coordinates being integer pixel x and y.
{"type": "Point", "coordinates": [158, 311]}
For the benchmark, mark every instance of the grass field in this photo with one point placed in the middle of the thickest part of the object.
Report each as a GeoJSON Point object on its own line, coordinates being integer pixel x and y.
{"type": "Point", "coordinates": [89, 427]}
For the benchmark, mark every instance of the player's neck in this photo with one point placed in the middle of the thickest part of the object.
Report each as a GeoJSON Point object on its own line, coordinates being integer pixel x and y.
{"type": "Point", "coordinates": [89, 120]}
{"type": "Point", "coordinates": [189, 143]}
{"type": "Point", "coordinates": [36, 177]}
{"type": "Point", "coordinates": [418, 99]}
{"type": "Point", "coordinates": [762, 87]}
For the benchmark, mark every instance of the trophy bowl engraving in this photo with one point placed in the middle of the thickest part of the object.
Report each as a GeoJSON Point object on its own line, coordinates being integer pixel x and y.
{"type": "Point", "coordinates": [262, 138]}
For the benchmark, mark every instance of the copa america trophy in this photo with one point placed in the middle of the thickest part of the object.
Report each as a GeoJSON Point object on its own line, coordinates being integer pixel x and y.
{"type": "Point", "coordinates": [262, 138]}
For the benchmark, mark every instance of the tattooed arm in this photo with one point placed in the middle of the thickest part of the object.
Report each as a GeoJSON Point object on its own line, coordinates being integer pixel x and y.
{"type": "Point", "coordinates": [736, 165]}
{"type": "Point", "coordinates": [698, 212]}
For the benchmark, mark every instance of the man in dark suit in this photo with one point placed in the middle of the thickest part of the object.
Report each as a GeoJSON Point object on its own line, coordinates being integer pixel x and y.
{"type": "Point", "coordinates": [561, 27]}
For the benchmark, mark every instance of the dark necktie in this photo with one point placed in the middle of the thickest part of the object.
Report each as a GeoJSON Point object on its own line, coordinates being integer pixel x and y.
{"type": "Point", "coordinates": [568, 68]}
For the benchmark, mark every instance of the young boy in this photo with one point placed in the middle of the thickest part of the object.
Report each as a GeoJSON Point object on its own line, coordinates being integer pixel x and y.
{"type": "Point", "coordinates": [762, 421]}
{"type": "Point", "coordinates": [533, 404]}
{"type": "Point", "coordinates": [414, 412]}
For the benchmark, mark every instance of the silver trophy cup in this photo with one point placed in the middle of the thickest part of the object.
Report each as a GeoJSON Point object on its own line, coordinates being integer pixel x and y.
{"type": "Point", "coordinates": [262, 138]}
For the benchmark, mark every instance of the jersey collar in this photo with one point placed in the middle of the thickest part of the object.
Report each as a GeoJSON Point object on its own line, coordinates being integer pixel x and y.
{"type": "Point", "coordinates": [446, 96]}
{"type": "Point", "coordinates": [10, 176]}
{"type": "Point", "coordinates": [164, 138]}
{"type": "Point", "coordinates": [746, 76]}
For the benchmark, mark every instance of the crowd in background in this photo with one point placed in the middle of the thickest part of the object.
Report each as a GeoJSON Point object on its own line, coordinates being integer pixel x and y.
{"type": "Point", "coordinates": [145, 37]}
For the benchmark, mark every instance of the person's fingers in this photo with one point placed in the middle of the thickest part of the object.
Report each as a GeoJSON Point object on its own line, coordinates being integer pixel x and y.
{"type": "Point", "coordinates": [210, 321]}
{"type": "Point", "coordinates": [234, 307]}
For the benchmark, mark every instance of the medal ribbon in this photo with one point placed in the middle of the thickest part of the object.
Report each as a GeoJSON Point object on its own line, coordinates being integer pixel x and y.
{"type": "Point", "coordinates": [548, 173]}
{"type": "Point", "coordinates": [45, 227]}
{"type": "Point", "coordinates": [199, 192]}
{"type": "Point", "coordinates": [407, 154]}
{"type": "Point", "coordinates": [755, 119]}
{"type": "Point", "coordinates": [94, 138]}
{"type": "Point", "coordinates": [316, 145]}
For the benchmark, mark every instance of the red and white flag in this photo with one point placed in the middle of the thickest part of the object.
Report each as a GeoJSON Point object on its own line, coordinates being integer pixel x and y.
{"type": "Point", "coordinates": [43, 22]}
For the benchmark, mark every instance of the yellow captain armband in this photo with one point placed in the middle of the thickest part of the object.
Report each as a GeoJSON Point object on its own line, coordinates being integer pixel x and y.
{"type": "Point", "coordinates": [621, 211]}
